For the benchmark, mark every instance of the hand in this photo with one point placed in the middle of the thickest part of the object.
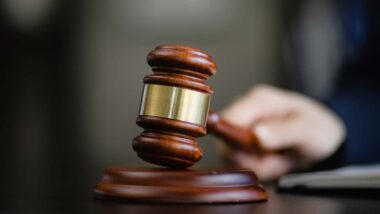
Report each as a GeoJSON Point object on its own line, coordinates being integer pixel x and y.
{"type": "Point", "coordinates": [297, 130]}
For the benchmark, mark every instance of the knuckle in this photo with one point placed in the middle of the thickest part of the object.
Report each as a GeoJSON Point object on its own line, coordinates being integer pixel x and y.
{"type": "Point", "coordinates": [262, 90]}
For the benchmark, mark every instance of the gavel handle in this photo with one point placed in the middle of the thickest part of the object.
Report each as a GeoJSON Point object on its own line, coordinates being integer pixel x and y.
{"type": "Point", "coordinates": [235, 137]}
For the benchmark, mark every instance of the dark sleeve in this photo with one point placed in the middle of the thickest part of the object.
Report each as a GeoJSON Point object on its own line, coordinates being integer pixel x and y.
{"type": "Point", "coordinates": [359, 108]}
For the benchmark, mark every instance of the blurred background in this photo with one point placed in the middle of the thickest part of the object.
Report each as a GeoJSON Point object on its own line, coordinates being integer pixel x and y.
{"type": "Point", "coordinates": [71, 76]}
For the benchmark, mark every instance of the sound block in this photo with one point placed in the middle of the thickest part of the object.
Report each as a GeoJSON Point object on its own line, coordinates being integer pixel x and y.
{"type": "Point", "coordinates": [179, 186]}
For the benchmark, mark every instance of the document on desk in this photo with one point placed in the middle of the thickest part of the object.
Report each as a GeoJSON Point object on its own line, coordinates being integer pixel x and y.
{"type": "Point", "coordinates": [350, 177]}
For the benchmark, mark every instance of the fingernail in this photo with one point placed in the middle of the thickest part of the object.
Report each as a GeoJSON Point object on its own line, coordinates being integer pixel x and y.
{"type": "Point", "coordinates": [263, 133]}
{"type": "Point", "coordinates": [265, 136]}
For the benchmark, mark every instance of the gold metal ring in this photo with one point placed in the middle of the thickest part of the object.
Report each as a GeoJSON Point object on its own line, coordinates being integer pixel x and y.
{"type": "Point", "coordinates": [175, 103]}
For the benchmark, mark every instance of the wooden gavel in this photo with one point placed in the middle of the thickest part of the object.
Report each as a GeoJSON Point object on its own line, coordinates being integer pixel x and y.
{"type": "Point", "coordinates": [175, 109]}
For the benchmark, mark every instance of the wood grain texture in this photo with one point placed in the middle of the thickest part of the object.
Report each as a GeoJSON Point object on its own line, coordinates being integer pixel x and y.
{"type": "Point", "coordinates": [180, 186]}
{"type": "Point", "coordinates": [167, 148]}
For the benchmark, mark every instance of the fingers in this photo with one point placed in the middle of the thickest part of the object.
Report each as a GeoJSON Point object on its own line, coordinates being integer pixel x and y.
{"type": "Point", "coordinates": [283, 120]}
{"type": "Point", "coordinates": [279, 134]}
{"type": "Point", "coordinates": [267, 167]}
{"type": "Point", "coordinates": [261, 102]}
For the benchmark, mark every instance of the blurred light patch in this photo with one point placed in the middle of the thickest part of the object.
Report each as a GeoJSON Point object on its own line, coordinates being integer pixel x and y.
{"type": "Point", "coordinates": [27, 14]}
{"type": "Point", "coordinates": [191, 19]}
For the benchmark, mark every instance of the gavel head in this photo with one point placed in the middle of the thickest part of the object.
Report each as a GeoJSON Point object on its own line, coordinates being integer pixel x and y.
{"type": "Point", "coordinates": [174, 106]}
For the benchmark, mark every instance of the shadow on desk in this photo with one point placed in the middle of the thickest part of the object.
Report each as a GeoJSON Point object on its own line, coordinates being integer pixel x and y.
{"type": "Point", "coordinates": [119, 208]}
{"type": "Point", "coordinates": [279, 202]}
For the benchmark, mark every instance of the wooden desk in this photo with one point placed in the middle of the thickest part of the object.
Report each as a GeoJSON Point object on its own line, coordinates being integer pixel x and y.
{"type": "Point", "coordinates": [278, 203]}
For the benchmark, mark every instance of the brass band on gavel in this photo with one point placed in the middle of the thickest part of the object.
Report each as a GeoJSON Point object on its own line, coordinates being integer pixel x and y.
{"type": "Point", "coordinates": [175, 103]}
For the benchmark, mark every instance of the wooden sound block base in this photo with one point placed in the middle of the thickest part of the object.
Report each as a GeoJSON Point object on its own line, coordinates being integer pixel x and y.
{"type": "Point", "coordinates": [179, 186]}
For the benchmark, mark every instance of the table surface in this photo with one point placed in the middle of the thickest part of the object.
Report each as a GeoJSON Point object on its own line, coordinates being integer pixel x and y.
{"type": "Point", "coordinates": [278, 203]}
{"type": "Point", "coordinates": [62, 180]}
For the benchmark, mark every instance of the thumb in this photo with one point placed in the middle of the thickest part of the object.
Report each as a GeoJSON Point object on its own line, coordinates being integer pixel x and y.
{"type": "Point", "coordinates": [280, 133]}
